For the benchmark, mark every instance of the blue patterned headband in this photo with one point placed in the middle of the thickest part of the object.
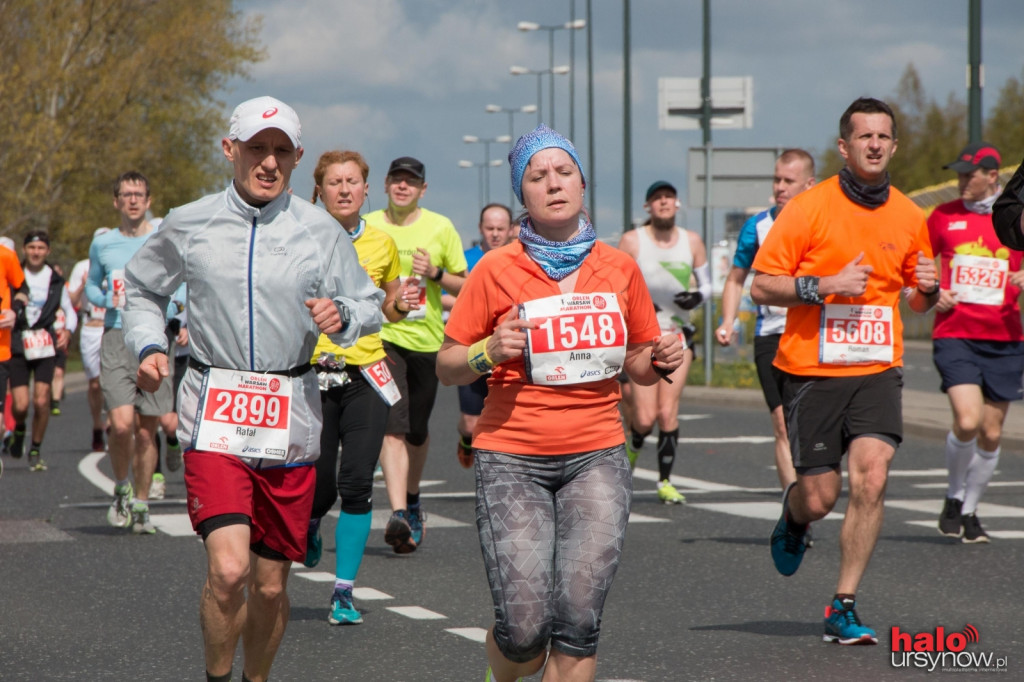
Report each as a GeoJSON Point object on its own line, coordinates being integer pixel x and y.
{"type": "Point", "coordinates": [540, 138]}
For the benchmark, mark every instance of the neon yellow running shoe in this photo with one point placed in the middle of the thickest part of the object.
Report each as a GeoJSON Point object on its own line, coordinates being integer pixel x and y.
{"type": "Point", "coordinates": [668, 494]}
{"type": "Point", "coordinates": [631, 455]}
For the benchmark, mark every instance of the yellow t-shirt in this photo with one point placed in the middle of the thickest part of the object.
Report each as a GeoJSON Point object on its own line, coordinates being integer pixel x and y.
{"type": "Point", "coordinates": [435, 233]}
{"type": "Point", "coordinates": [379, 257]}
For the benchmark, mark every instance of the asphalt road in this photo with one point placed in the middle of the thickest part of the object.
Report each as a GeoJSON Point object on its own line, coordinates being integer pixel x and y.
{"type": "Point", "coordinates": [696, 596]}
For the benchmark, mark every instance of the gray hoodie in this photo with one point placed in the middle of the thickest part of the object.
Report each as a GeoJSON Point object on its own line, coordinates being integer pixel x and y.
{"type": "Point", "coordinates": [249, 271]}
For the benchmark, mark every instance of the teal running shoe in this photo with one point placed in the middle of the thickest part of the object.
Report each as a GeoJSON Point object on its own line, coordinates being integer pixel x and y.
{"type": "Point", "coordinates": [842, 624]}
{"type": "Point", "coordinates": [314, 544]}
{"type": "Point", "coordinates": [342, 610]}
{"type": "Point", "coordinates": [398, 533]}
{"type": "Point", "coordinates": [416, 520]}
{"type": "Point", "coordinates": [788, 546]}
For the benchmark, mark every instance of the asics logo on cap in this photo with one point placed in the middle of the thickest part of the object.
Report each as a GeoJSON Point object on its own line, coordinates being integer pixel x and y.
{"type": "Point", "coordinates": [269, 113]}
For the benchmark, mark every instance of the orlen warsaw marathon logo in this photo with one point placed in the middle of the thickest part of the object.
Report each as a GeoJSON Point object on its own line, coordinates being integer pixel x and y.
{"type": "Point", "coordinates": [942, 651]}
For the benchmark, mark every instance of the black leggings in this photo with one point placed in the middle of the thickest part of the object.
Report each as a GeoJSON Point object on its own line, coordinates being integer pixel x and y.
{"type": "Point", "coordinates": [354, 415]}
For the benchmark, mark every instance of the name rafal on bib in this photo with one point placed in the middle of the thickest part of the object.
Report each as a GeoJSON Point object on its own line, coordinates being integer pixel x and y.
{"type": "Point", "coordinates": [580, 338]}
{"type": "Point", "coordinates": [244, 413]}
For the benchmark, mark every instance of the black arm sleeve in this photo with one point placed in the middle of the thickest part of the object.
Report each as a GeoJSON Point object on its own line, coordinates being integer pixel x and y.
{"type": "Point", "coordinates": [1006, 213]}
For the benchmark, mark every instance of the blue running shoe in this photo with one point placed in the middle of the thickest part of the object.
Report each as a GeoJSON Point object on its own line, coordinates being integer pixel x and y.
{"type": "Point", "coordinates": [398, 534]}
{"type": "Point", "coordinates": [842, 624]}
{"type": "Point", "coordinates": [787, 547]}
{"type": "Point", "coordinates": [416, 520]}
{"type": "Point", "coordinates": [342, 610]}
{"type": "Point", "coordinates": [314, 544]}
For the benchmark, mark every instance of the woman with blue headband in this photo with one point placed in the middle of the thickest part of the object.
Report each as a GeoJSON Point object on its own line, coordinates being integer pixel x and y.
{"type": "Point", "coordinates": [555, 317]}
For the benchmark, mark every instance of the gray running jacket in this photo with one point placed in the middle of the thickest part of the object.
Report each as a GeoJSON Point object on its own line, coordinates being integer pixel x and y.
{"type": "Point", "coordinates": [249, 271]}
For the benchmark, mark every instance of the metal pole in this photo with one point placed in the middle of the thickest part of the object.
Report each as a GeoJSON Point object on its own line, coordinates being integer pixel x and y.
{"type": "Point", "coordinates": [551, 75]}
{"type": "Point", "coordinates": [572, 73]}
{"type": "Point", "coordinates": [705, 121]}
{"type": "Point", "coordinates": [592, 189]}
{"type": "Point", "coordinates": [480, 186]}
{"type": "Point", "coordinates": [511, 137]}
{"type": "Point", "coordinates": [540, 75]}
{"type": "Point", "coordinates": [627, 146]}
{"type": "Point", "coordinates": [487, 172]}
{"type": "Point", "coordinates": [975, 71]}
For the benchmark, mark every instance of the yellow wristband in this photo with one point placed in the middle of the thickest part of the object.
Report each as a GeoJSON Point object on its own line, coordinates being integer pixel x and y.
{"type": "Point", "coordinates": [478, 359]}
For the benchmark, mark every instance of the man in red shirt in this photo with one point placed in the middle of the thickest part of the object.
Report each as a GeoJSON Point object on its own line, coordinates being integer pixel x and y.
{"type": "Point", "coordinates": [978, 343]}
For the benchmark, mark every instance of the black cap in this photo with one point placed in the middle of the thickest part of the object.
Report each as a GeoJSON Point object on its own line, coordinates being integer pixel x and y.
{"type": "Point", "coordinates": [36, 236]}
{"type": "Point", "coordinates": [976, 155]}
{"type": "Point", "coordinates": [409, 165]}
{"type": "Point", "coordinates": [659, 184]}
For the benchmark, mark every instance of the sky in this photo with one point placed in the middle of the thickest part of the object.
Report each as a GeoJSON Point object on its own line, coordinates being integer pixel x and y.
{"type": "Point", "coordinates": [394, 78]}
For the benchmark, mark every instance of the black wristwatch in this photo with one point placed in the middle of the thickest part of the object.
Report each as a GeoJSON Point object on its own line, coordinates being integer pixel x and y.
{"type": "Point", "coordinates": [931, 292]}
{"type": "Point", "coordinates": [346, 317]}
{"type": "Point", "coordinates": [440, 274]}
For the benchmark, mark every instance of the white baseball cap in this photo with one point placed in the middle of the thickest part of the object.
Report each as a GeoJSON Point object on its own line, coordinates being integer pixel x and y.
{"type": "Point", "coordinates": [7, 242]}
{"type": "Point", "coordinates": [254, 115]}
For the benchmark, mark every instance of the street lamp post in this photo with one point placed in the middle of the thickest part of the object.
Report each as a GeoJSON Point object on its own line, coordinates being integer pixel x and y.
{"type": "Point", "coordinates": [554, 71]}
{"type": "Point", "coordinates": [486, 142]}
{"type": "Point", "coordinates": [567, 26]}
{"type": "Point", "coordinates": [494, 163]}
{"type": "Point", "coordinates": [511, 111]}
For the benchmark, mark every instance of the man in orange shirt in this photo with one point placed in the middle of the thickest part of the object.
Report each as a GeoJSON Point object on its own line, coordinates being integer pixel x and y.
{"type": "Point", "coordinates": [13, 298]}
{"type": "Point", "coordinates": [838, 257]}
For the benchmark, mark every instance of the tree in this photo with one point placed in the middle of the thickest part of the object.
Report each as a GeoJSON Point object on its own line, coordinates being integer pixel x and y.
{"type": "Point", "coordinates": [1005, 125]}
{"type": "Point", "coordinates": [92, 88]}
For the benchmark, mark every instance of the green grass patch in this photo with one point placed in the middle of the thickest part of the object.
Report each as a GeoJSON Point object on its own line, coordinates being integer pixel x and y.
{"type": "Point", "coordinates": [725, 374]}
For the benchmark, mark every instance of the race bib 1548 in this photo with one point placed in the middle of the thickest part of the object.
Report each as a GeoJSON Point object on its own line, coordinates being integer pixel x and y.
{"type": "Point", "coordinates": [580, 338]}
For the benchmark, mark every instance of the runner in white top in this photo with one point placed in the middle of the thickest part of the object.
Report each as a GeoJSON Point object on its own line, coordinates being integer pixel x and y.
{"type": "Point", "coordinates": [668, 256]}
{"type": "Point", "coordinates": [89, 338]}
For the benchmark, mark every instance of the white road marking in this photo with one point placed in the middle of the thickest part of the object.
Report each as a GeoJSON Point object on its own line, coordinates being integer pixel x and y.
{"type": "Point", "coordinates": [88, 466]}
{"type": "Point", "coordinates": [173, 524]}
{"type": "Point", "coordinates": [992, 484]}
{"type": "Point", "coordinates": [315, 576]}
{"type": "Point", "coordinates": [478, 635]}
{"type": "Point", "coordinates": [369, 594]}
{"type": "Point", "coordinates": [416, 612]}
{"type": "Point", "coordinates": [934, 508]}
{"type": "Point", "coordinates": [643, 518]}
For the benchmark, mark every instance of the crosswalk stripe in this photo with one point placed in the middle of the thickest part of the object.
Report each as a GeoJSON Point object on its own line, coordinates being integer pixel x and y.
{"type": "Point", "coordinates": [478, 635]}
{"type": "Point", "coordinates": [643, 518]}
{"type": "Point", "coordinates": [173, 524]}
{"type": "Point", "coordinates": [416, 612]}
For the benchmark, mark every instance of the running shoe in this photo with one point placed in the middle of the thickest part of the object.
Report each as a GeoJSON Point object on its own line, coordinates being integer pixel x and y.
{"type": "Point", "coordinates": [950, 521]}
{"type": "Point", "coordinates": [464, 451]}
{"type": "Point", "coordinates": [97, 441]}
{"type": "Point", "coordinates": [842, 624]}
{"type": "Point", "coordinates": [342, 610]}
{"type": "Point", "coordinates": [668, 494]}
{"type": "Point", "coordinates": [173, 458]}
{"type": "Point", "coordinates": [973, 532]}
{"type": "Point", "coordinates": [141, 525]}
{"type": "Point", "coordinates": [378, 473]}
{"type": "Point", "coordinates": [15, 443]}
{"type": "Point", "coordinates": [398, 534]}
{"type": "Point", "coordinates": [35, 462]}
{"type": "Point", "coordinates": [314, 544]}
{"type": "Point", "coordinates": [158, 488]}
{"type": "Point", "coordinates": [416, 520]}
{"type": "Point", "coordinates": [55, 408]}
{"type": "Point", "coordinates": [120, 513]}
{"type": "Point", "coordinates": [631, 455]}
{"type": "Point", "coordinates": [787, 545]}
{"type": "Point", "coordinates": [808, 538]}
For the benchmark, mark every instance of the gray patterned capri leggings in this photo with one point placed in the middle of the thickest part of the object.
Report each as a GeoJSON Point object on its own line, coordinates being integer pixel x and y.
{"type": "Point", "coordinates": [551, 531]}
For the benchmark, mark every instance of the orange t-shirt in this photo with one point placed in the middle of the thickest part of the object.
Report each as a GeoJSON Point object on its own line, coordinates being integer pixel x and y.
{"type": "Point", "coordinates": [818, 233]}
{"type": "Point", "coordinates": [11, 277]}
{"type": "Point", "coordinates": [530, 419]}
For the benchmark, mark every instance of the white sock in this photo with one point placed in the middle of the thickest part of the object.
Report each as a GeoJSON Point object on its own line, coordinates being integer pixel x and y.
{"type": "Point", "coordinates": [340, 584]}
{"type": "Point", "coordinates": [979, 473]}
{"type": "Point", "coordinates": [958, 458]}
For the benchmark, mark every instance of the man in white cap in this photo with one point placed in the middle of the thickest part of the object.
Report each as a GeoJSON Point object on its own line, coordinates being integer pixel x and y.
{"type": "Point", "coordinates": [266, 273]}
